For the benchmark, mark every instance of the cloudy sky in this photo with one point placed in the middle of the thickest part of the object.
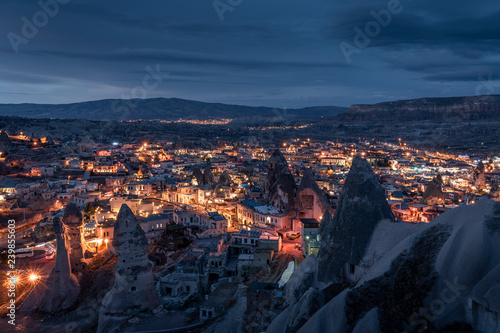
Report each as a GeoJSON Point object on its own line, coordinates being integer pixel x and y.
{"type": "Point", "coordinates": [253, 52]}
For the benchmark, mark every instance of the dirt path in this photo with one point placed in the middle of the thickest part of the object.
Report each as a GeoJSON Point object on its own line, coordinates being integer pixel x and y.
{"type": "Point", "coordinates": [278, 268]}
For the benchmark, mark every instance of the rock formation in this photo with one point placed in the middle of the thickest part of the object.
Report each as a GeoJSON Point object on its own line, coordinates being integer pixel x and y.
{"type": "Point", "coordinates": [73, 220]}
{"type": "Point", "coordinates": [62, 286]}
{"type": "Point", "coordinates": [133, 289]}
{"type": "Point", "coordinates": [208, 177]}
{"type": "Point", "coordinates": [205, 177]}
{"type": "Point", "coordinates": [50, 141]}
{"type": "Point", "coordinates": [198, 175]}
{"type": "Point", "coordinates": [362, 217]}
{"type": "Point", "coordinates": [495, 192]}
{"type": "Point", "coordinates": [442, 278]}
{"type": "Point", "coordinates": [433, 193]}
{"type": "Point", "coordinates": [144, 172]}
{"type": "Point", "coordinates": [344, 239]}
{"type": "Point", "coordinates": [5, 142]}
{"type": "Point", "coordinates": [426, 109]}
{"type": "Point", "coordinates": [478, 176]}
{"type": "Point", "coordinates": [4, 139]}
{"type": "Point", "coordinates": [224, 179]}
{"type": "Point", "coordinates": [280, 186]}
{"type": "Point", "coordinates": [310, 201]}
{"type": "Point", "coordinates": [480, 167]}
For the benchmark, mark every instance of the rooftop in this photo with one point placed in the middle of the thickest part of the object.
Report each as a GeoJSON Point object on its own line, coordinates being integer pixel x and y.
{"type": "Point", "coordinates": [250, 203]}
{"type": "Point", "coordinates": [310, 222]}
{"type": "Point", "coordinates": [216, 216]}
{"type": "Point", "coordinates": [159, 217]}
{"type": "Point", "coordinates": [247, 233]}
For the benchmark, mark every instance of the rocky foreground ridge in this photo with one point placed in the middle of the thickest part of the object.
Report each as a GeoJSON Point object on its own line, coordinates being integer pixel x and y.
{"type": "Point", "coordinates": [377, 275]}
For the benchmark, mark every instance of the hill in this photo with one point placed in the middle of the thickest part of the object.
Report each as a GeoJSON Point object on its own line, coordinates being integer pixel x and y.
{"type": "Point", "coordinates": [471, 108]}
{"type": "Point", "coordinates": [160, 109]}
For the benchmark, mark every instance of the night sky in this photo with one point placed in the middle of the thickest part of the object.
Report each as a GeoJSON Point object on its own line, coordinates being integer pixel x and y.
{"type": "Point", "coordinates": [252, 52]}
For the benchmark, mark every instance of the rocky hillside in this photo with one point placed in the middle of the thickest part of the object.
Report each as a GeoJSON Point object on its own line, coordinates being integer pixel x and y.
{"type": "Point", "coordinates": [160, 109]}
{"type": "Point", "coordinates": [434, 109]}
{"type": "Point", "coordinates": [443, 276]}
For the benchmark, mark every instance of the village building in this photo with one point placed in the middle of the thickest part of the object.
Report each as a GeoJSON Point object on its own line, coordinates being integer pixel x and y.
{"type": "Point", "coordinates": [309, 236]}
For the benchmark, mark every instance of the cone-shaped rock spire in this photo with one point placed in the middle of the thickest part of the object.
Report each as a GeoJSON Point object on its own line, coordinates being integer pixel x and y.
{"type": "Point", "coordinates": [345, 237]}
{"type": "Point", "coordinates": [310, 201]}
{"type": "Point", "coordinates": [134, 281]}
{"type": "Point", "coordinates": [62, 286]}
{"type": "Point", "coordinates": [73, 220]}
{"type": "Point", "coordinates": [280, 186]}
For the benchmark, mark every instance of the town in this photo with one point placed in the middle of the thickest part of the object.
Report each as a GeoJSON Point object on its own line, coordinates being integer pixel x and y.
{"type": "Point", "coordinates": [224, 224]}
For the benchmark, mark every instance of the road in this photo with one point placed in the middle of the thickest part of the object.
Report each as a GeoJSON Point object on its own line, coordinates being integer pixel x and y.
{"type": "Point", "coordinates": [19, 235]}
{"type": "Point", "coordinates": [288, 246]}
{"type": "Point", "coordinates": [42, 267]}
{"type": "Point", "coordinates": [288, 253]}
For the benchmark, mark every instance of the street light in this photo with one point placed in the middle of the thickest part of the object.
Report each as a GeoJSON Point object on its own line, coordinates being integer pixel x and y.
{"type": "Point", "coordinates": [33, 277]}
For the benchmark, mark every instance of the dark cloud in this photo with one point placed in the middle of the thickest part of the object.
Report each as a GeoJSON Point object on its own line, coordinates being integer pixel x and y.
{"type": "Point", "coordinates": [279, 53]}
{"type": "Point", "coordinates": [473, 75]}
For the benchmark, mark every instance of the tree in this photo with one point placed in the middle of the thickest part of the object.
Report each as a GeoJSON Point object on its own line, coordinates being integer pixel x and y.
{"type": "Point", "coordinates": [89, 210]}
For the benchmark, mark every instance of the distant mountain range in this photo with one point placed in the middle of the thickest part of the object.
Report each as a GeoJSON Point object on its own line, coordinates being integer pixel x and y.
{"type": "Point", "coordinates": [475, 108]}
{"type": "Point", "coordinates": [472, 108]}
{"type": "Point", "coordinates": [161, 109]}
